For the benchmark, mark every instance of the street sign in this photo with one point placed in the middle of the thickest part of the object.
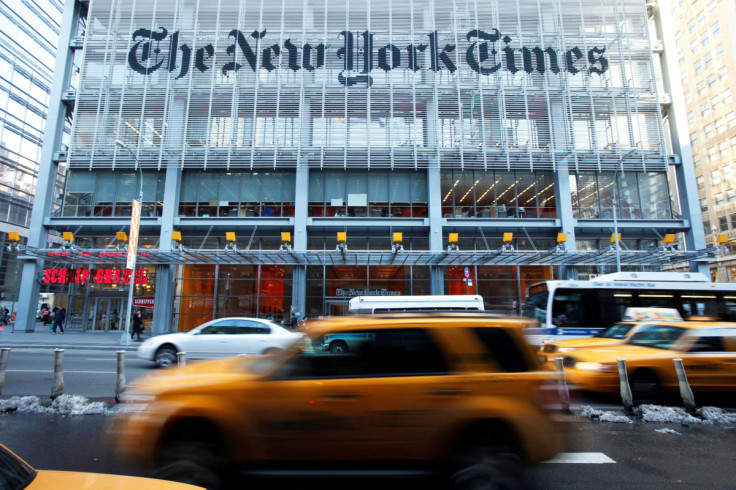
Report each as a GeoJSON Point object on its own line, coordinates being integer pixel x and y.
{"type": "Point", "coordinates": [470, 282]}
{"type": "Point", "coordinates": [467, 272]}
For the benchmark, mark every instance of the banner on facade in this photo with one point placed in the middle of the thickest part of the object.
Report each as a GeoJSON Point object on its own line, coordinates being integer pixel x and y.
{"type": "Point", "coordinates": [144, 301]}
{"type": "Point", "coordinates": [135, 222]}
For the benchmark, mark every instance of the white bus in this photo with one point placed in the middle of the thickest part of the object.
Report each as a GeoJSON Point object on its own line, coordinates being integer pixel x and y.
{"type": "Point", "coordinates": [569, 309]}
{"type": "Point", "coordinates": [368, 305]}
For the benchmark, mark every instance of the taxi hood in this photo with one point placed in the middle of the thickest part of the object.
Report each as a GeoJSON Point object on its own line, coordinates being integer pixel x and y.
{"type": "Point", "coordinates": [611, 353]}
{"type": "Point", "coordinates": [196, 374]}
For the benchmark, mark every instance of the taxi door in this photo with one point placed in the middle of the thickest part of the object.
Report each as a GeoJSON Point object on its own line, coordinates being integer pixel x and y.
{"type": "Point", "coordinates": [710, 363]}
{"type": "Point", "coordinates": [384, 403]}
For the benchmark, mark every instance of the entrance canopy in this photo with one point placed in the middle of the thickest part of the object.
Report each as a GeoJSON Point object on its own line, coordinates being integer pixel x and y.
{"type": "Point", "coordinates": [555, 257]}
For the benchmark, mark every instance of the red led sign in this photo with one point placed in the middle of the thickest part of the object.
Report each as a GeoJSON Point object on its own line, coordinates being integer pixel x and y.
{"type": "Point", "coordinates": [96, 276]}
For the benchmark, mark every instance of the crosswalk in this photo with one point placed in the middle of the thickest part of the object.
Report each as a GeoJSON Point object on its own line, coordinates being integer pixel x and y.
{"type": "Point", "coordinates": [581, 458]}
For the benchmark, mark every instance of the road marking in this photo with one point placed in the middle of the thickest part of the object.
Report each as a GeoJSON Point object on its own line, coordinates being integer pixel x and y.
{"type": "Point", "coordinates": [46, 371]}
{"type": "Point", "coordinates": [581, 458]}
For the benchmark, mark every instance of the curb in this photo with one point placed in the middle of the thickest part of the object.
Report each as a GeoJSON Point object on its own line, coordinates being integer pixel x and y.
{"type": "Point", "coordinates": [73, 347]}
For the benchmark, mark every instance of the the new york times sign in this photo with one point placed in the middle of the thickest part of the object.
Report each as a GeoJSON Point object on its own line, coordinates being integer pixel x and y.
{"type": "Point", "coordinates": [360, 53]}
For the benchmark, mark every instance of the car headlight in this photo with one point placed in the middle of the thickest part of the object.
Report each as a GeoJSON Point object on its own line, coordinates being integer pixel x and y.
{"type": "Point", "coordinates": [596, 366]}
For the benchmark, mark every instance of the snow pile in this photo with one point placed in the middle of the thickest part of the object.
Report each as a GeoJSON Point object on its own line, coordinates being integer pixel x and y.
{"type": "Point", "coordinates": [657, 413]}
{"type": "Point", "coordinates": [714, 415]}
{"type": "Point", "coordinates": [591, 413]}
{"type": "Point", "coordinates": [63, 404]}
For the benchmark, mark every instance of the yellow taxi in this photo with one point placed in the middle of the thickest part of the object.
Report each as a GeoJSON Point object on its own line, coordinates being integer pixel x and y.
{"type": "Point", "coordinates": [707, 349]}
{"type": "Point", "coordinates": [16, 474]}
{"type": "Point", "coordinates": [445, 392]}
{"type": "Point", "coordinates": [635, 319]}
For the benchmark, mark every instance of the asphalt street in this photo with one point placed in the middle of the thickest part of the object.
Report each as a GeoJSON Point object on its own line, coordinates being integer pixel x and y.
{"type": "Point", "coordinates": [695, 456]}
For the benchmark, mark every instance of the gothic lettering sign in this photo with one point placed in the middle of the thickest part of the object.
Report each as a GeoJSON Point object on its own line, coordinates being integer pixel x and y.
{"type": "Point", "coordinates": [359, 53]}
{"type": "Point", "coordinates": [352, 292]}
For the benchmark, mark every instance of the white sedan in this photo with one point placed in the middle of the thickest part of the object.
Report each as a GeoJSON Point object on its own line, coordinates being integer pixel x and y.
{"type": "Point", "coordinates": [222, 337]}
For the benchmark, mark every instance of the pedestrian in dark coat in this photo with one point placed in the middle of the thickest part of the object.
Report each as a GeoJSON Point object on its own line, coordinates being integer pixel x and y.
{"type": "Point", "coordinates": [59, 318]}
{"type": "Point", "coordinates": [137, 325]}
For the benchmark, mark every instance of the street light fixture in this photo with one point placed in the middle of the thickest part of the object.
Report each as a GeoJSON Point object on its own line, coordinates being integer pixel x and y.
{"type": "Point", "coordinates": [132, 248]}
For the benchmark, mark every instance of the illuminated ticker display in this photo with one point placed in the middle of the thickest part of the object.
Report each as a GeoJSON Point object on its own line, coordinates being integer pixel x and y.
{"type": "Point", "coordinates": [94, 276]}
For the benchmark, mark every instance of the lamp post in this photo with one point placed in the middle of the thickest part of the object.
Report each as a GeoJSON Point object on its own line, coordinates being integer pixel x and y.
{"type": "Point", "coordinates": [615, 222]}
{"type": "Point", "coordinates": [133, 237]}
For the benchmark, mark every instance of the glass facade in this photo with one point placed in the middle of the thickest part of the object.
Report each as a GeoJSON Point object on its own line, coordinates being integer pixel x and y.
{"type": "Point", "coordinates": [29, 34]}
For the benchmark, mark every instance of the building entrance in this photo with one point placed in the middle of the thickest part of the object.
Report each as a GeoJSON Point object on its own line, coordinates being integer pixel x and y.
{"type": "Point", "coordinates": [336, 307]}
{"type": "Point", "coordinates": [106, 313]}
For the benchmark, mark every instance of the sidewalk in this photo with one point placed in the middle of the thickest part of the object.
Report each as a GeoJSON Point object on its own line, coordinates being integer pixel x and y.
{"type": "Point", "coordinates": [42, 337]}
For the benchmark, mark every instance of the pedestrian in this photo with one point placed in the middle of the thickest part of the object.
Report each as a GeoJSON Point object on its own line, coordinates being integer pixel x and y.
{"type": "Point", "coordinates": [59, 318]}
{"type": "Point", "coordinates": [45, 315]}
{"type": "Point", "coordinates": [51, 316]}
{"type": "Point", "coordinates": [5, 315]}
{"type": "Point", "coordinates": [113, 319]}
{"type": "Point", "coordinates": [270, 316]}
{"type": "Point", "coordinates": [294, 321]}
{"type": "Point", "coordinates": [137, 325]}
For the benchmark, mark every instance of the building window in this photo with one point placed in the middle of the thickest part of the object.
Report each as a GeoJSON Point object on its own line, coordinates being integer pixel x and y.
{"type": "Point", "coordinates": [701, 182]}
{"type": "Point", "coordinates": [723, 73]}
{"type": "Point", "coordinates": [702, 17]}
{"type": "Point", "coordinates": [704, 109]}
{"type": "Point", "coordinates": [719, 51]}
{"type": "Point", "coordinates": [726, 97]}
{"type": "Point", "coordinates": [719, 200]}
{"type": "Point", "coordinates": [715, 102]}
{"type": "Point", "coordinates": [693, 139]}
{"type": "Point", "coordinates": [716, 29]}
{"type": "Point", "coordinates": [361, 194]}
{"type": "Point", "coordinates": [695, 46]}
{"type": "Point", "coordinates": [712, 153]}
{"type": "Point", "coordinates": [703, 205]}
{"type": "Point", "coordinates": [708, 59]}
{"type": "Point", "coordinates": [705, 38]}
{"type": "Point", "coordinates": [723, 149]}
{"type": "Point", "coordinates": [678, 38]}
{"type": "Point", "coordinates": [713, 7]}
{"type": "Point", "coordinates": [701, 87]}
{"type": "Point", "coordinates": [708, 131]}
{"type": "Point", "coordinates": [731, 196]}
{"type": "Point", "coordinates": [698, 67]}
{"type": "Point", "coordinates": [104, 193]}
{"type": "Point", "coordinates": [687, 97]}
{"type": "Point", "coordinates": [720, 125]}
{"type": "Point", "coordinates": [706, 227]}
{"type": "Point", "coordinates": [715, 176]}
{"type": "Point", "coordinates": [691, 25]}
{"type": "Point", "coordinates": [712, 79]}
{"type": "Point", "coordinates": [690, 117]}
{"type": "Point", "coordinates": [728, 173]}
{"type": "Point", "coordinates": [237, 194]}
{"type": "Point", "coordinates": [732, 273]}
{"type": "Point", "coordinates": [723, 223]}
{"type": "Point", "coordinates": [733, 221]}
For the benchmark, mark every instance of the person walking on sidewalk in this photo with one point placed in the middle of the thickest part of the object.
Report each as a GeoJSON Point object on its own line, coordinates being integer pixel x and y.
{"type": "Point", "coordinates": [137, 325]}
{"type": "Point", "coordinates": [59, 318]}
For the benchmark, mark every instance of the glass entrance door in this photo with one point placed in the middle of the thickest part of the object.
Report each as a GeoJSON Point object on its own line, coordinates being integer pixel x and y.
{"type": "Point", "coordinates": [106, 314]}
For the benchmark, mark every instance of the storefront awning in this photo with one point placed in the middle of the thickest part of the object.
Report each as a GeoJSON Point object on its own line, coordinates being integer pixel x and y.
{"type": "Point", "coordinates": [77, 256]}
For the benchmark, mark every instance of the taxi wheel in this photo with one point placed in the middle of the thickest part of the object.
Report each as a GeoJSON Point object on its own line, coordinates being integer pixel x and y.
{"type": "Point", "coordinates": [192, 454]}
{"type": "Point", "coordinates": [645, 387]}
{"type": "Point", "coordinates": [484, 464]}
{"type": "Point", "coordinates": [338, 347]}
{"type": "Point", "coordinates": [165, 356]}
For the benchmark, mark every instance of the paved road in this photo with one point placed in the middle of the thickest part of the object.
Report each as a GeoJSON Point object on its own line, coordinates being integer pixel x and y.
{"type": "Point", "coordinates": [89, 373]}
{"type": "Point", "coordinates": [701, 457]}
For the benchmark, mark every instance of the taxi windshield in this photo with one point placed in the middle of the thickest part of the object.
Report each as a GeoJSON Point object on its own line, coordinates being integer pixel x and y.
{"type": "Point", "coordinates": [657, 336]}
{"type": "Point", "coordinates": [617, 331]}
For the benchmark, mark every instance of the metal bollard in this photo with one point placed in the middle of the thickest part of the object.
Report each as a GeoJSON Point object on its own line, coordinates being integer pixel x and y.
{"type": "Point", "coordinates": [4, 354]}
{"type": "Point", "coordinates": [626, 396]}
{"type": "Point", "coordinates": [181, 359]}
{"type": "Point", "coordinates": [562, 385]}
{"type": "Point", "coordinates": [57, 384]}
{"type": "Point", "coordinates": [120, 383]}
{"type": "Point", "coordinates": [685, 391]}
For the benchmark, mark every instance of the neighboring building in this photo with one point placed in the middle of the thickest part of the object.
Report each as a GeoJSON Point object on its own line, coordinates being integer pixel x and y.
{"type": "Point", "coordinates": [436, 120]}
{"type": "Point", "coordinates": [29, 32]}
{"type": "Point", "coordinates": [706, 54]}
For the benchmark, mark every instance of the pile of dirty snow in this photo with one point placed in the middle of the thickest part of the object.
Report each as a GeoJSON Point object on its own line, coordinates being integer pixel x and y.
{"type": "Point", "coordinates": [63, 404]}
{"type": "Point", "coordinates": [591, 413]}
{"type": "Point", "coordinates": [668, 415]}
